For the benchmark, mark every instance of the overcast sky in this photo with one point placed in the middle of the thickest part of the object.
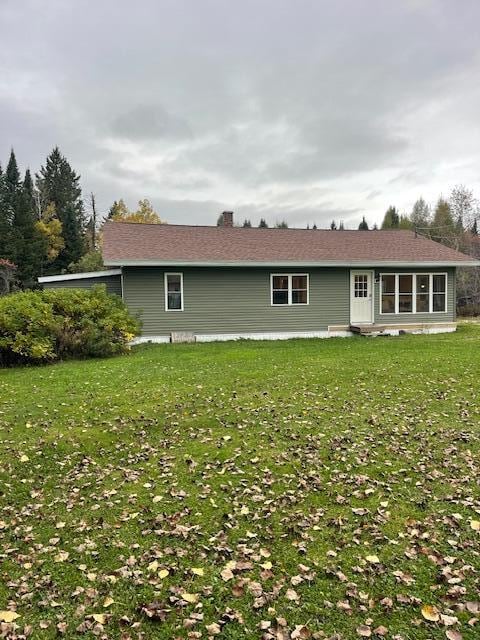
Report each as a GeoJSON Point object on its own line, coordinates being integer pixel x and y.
{"type": "Point", "coordinates": [303, 110]}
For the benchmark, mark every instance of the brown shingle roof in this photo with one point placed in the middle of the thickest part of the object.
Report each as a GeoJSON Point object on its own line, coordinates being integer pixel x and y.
{"type": "Point", "coordinates": [127, 243]}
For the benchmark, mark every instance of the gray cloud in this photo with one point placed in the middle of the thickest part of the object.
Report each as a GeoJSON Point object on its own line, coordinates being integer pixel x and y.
{"type": "Point", "coordinates": [304, 111]}
{"type": "Point", "coordinates": [147, 122]}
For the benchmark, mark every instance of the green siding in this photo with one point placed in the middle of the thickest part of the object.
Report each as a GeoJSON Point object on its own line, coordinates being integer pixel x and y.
{"type": "Point", "coordinates": [113, 283]}
{"type": "Point", "coordinates": [234, 300]}
{"type": "Point", "coordinates": [405, 318]}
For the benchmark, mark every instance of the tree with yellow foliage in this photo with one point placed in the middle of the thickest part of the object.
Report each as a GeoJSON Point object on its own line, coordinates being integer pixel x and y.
{"type": "Point", "coordinates": [145, 213]}
{"type": "Point", "coordinates": [50, 228]}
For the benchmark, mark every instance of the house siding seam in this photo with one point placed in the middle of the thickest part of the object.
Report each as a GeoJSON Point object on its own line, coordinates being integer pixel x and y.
{"type": "Point", "coordinates": [113, 284]}
{"type": "Point", "coordinates": [233, 301]}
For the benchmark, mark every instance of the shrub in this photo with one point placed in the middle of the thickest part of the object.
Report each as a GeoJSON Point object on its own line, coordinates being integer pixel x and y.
{"type": "Point", "coordinates": [43, 326]}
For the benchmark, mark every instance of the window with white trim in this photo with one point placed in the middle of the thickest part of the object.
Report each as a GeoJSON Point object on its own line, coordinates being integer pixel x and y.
{"type": "Point", "coordinates": [289, 288]}
{"type": "Point", "coordinates": [413, 293]}
{"type": "Point", "coordinates": [174, 292]}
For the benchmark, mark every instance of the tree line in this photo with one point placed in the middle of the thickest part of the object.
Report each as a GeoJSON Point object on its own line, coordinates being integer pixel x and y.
{"type": "Point", "coordinates": [44, 226]}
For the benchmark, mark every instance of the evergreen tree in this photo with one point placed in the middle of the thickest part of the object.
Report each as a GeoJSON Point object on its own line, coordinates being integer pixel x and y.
{"type": "Point", "coordinates": [404, 222]}
{"type": "Point", "coordinates": [262, 224]}
{"type": "Point", "coordinates": [10, 198]}
{"type": "Point", "coordinates": [282, 225]}
{"type": "Point", "coordinates": [421, 215]}
{"type": "Point", "coordinates": [27, 243]}
{"type": "Point", "coordinates": [333, 225]}
{"type": "Point", "coordinates": [341, 226]}
{"type": "Point", "coordinates": [314, 226]}
{"type": "Point", "coordinates": [475, 228]}
{"type": "Point", "coordinates": [444, 228]}
{"type": "Point", "coordinates": [247, 223]}
{"type": "Point", "coordinates": [5, 222]}
{"type": "Point", "coordinates": [58, 184]}
{"type": "Point", "coordinates": [391, 219]}
{"type": "Point", "coordinates": [375, 227]}
{"type": "Point", "coordinates": [363, 226]}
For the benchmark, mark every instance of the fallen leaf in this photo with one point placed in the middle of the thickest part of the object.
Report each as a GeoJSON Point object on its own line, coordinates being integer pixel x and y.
{"type": "Point", "coordinates": [198, 571]}
{"type": "Point", "coordinates": [475, 524]}
{"type": "Point", "coordinates": [373, 559]}
{"type": "Point", "coordinates": [163, 573]}
{"type": "Point", "coordinates": [431, 613]}
{"type": "Point", "coordinates": [227, 574]}
{"type": "Point", "coordinates": [453, 635]}
{"type": "Point", "coordinates": [8, 616]}
{"type": "Point", "coordinates": [189, 597]}
{"type": "Point", "coordinates": [364, 631]}
{"type": "Point", "coordinates": [101, 618]}
{"type": "Point", "coordinates": [108, 601]}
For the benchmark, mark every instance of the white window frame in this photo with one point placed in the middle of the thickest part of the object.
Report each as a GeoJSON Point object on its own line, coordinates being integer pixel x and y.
{"type": "Point", "coordinates": [165, 286]}
{"type": "Point", "coordinates": [290, 276]}
{"type": "Point", "coordinates": [414, 293]}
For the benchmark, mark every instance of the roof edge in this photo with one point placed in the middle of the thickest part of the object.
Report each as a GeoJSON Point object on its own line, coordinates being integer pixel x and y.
{"type": "Point", "coordinates": [80, 276]}
{"type": "Point", "coordinates": [292, 263]}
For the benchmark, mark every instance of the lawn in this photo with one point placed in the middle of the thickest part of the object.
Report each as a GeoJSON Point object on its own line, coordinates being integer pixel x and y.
{"type": "Point", "coordinates": [303, 489]}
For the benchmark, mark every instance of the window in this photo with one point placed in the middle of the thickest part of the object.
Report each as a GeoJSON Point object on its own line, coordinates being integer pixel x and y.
{"type": "Point", "coordinates": [413, 293]}
{"type": "Point", "coordinates": [423, 293]}
{"type": "Point", "coordinates": [405, 293]}
{"type": "Point", "coordinates": [439, 292]}
{"type": "Point", "coordinates": [289, 289]}
{"type": "Point", "coordinates": [388, 294]}
{"type": "Point", "coordinates": [174, 292]}
{"type": "Point", "coordinates": [360, 286]}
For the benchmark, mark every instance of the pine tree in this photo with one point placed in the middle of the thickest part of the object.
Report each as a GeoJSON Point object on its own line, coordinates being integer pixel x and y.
{"type": "Point", "coordinates": [58, 184]}
{"type": "Point", "coordinates": [314, 226]}
{"type": "Point", "coordinates": [262, 224]}
{"type": "Point", "coordinates": [363, 226]}
{"type": "Point", "coordinates": [404, 222]}
{"type": "Point", "coordinates": [247, 223]}
{"type": "Point", "coordinates": [341, 226]}
{"type": "Point", "coordinates": [475, 228]}
{"type": "Point", "coordinates": [391, 219]}
{"type": "Point", "coordinates": [443, 227]}
{"type": "Point", "coordinates": [282, 225]}
{"type": "Point", "coordinates": [333, 225]}
{"type": "Point", "coordinates": [27, 243]}
{"type": "Point", "coordinates": [5, 222]}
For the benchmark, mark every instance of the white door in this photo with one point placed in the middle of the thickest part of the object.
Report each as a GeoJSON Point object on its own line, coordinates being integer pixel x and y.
{"type": "Point", "coordinates": [361, 297]}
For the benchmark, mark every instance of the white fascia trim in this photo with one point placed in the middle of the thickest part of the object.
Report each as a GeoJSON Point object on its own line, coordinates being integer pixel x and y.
{"type": "Point", "coordinates": [286, 264]}
{"type": "Point", "coordinates": [80, 276]}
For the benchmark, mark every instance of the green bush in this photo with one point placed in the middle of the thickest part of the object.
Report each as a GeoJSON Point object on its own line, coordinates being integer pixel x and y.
{"type": "Point", "coordinates": [43, 326]}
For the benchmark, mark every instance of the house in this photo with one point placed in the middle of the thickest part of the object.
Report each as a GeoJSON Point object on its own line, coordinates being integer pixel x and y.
{"type": "Point", "coordinates": [224, 282]}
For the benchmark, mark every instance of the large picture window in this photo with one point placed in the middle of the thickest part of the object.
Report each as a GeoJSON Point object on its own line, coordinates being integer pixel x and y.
{"type": "Point", "coordinates": [413, 293]}
{"type": "Point", "coordinates": [289, 288]}
{"type": "Point", "coordinates": [174, 292]}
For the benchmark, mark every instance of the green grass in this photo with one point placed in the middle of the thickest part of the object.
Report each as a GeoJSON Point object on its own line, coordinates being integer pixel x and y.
{"type": "Point", "coordinates": [310, 455]}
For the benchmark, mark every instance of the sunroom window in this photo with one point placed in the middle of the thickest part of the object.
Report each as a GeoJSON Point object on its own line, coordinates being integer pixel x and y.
{"type": "Point", "coordinates": [413, 293]}
{"type": "Point", "coordinates": [439, 292]}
